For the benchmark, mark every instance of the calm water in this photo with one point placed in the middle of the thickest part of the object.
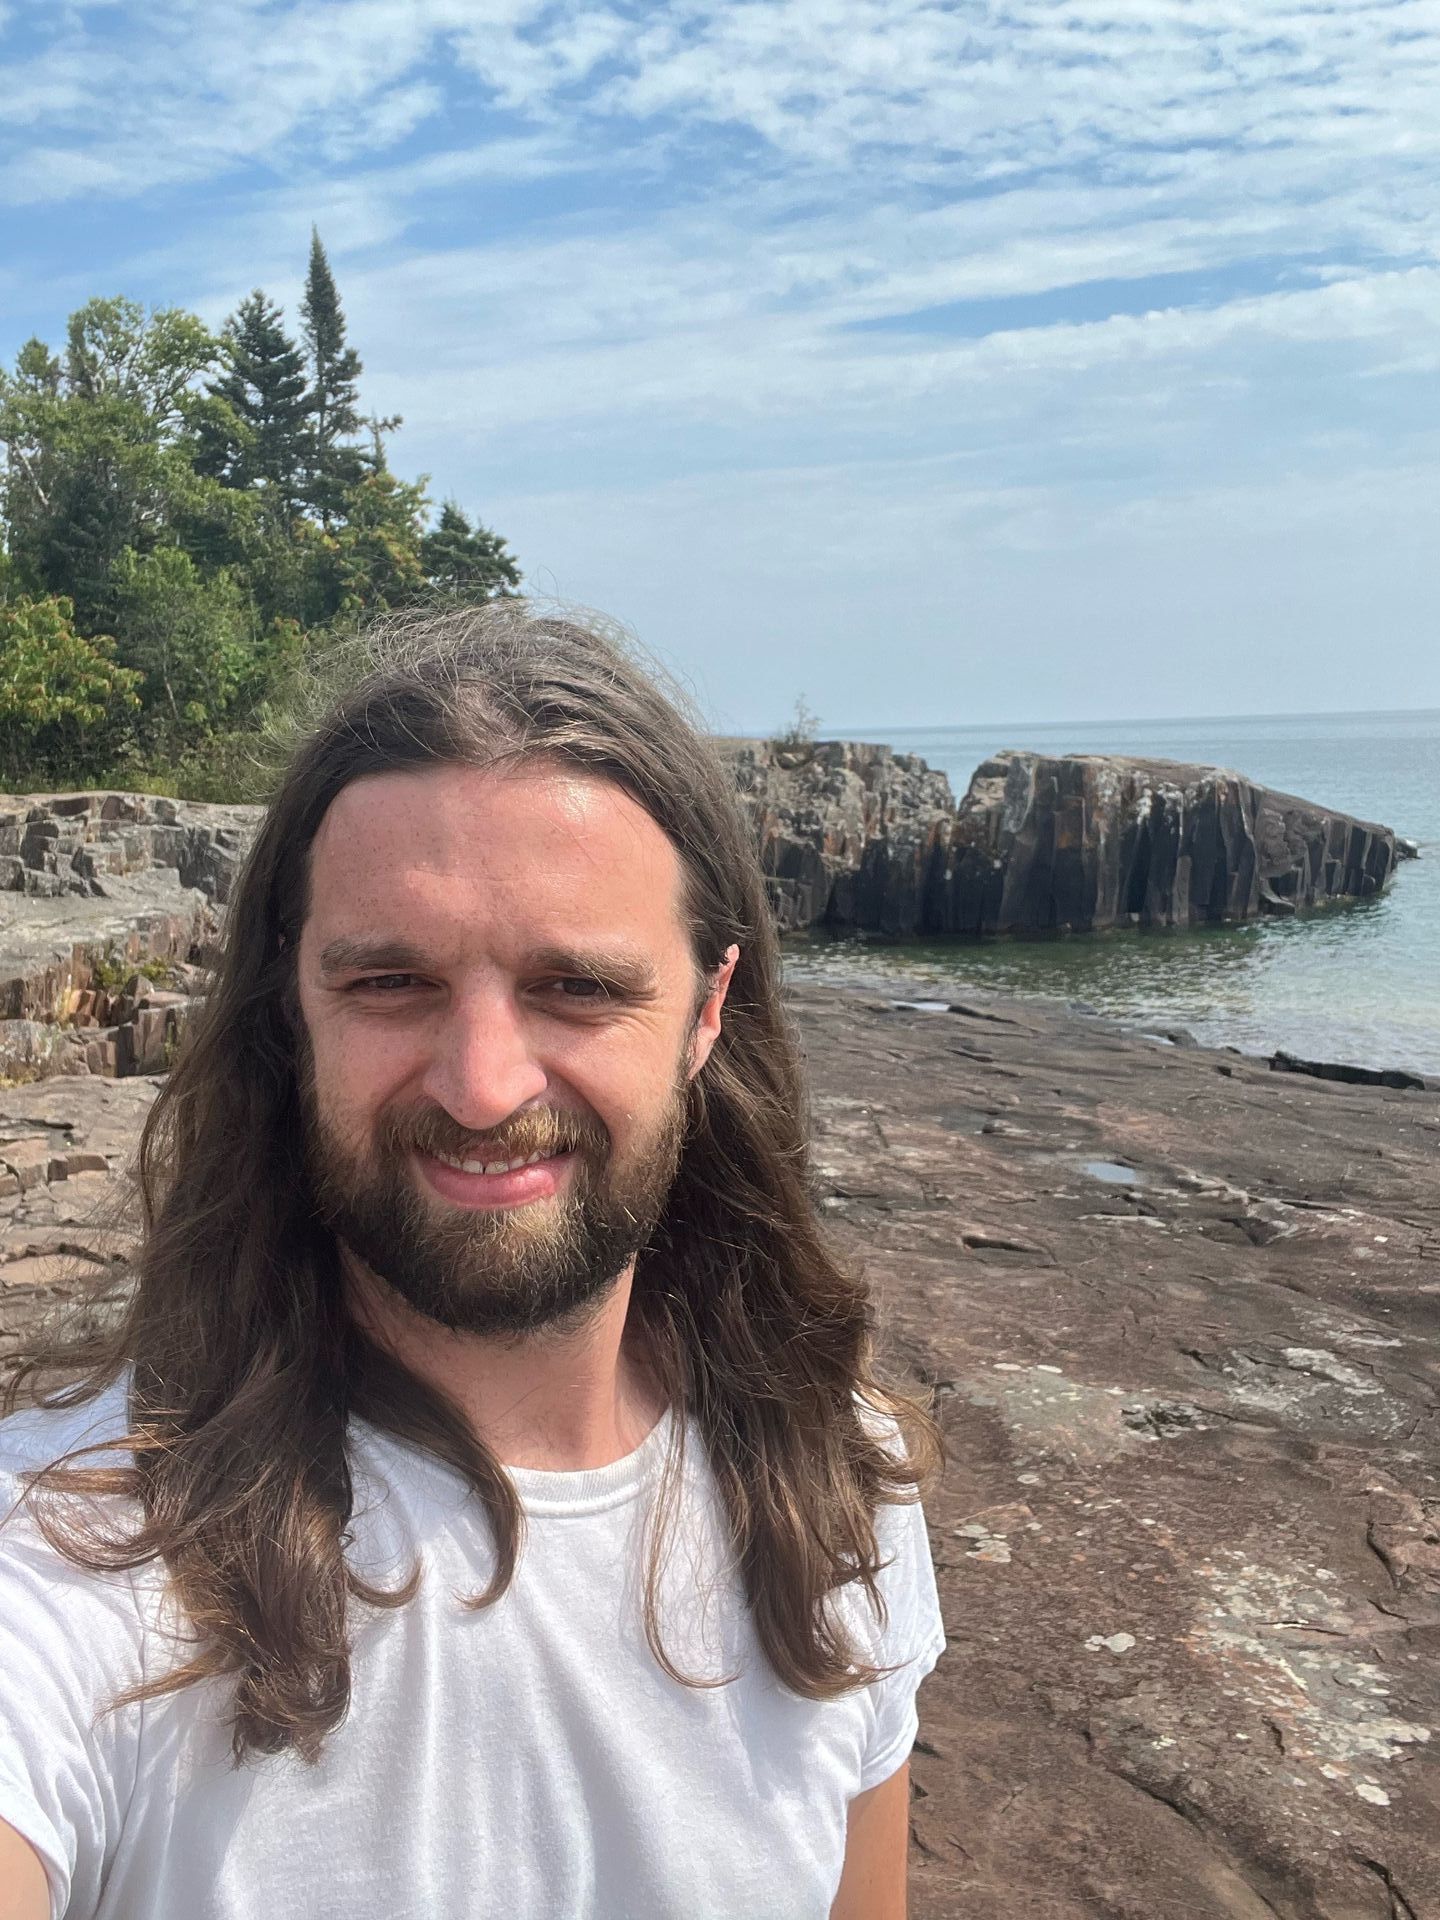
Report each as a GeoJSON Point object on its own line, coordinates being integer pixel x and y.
{"type": "Point", "coordinates": [1358, 983]}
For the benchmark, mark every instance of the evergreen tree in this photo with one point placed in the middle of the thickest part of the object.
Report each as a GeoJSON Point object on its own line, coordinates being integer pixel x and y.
{"type": "Point", "coordinates": [181, 518]}
{"type": "Point", "coordinates": [262, 436]}
{"type": "Point", "coordinates": [464, 560]}
{"type": "Point", "coordinates": [376, 547]}
{"type": "Point", "coordinates": [335, 369]}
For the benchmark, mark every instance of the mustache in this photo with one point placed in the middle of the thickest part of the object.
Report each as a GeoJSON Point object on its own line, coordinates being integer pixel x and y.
{"type": "Point", "coordinates": [543, 1131]}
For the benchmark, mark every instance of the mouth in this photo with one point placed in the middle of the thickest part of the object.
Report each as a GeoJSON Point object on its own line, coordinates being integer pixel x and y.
{"type": "Point", "coordinates": [494, 1183]}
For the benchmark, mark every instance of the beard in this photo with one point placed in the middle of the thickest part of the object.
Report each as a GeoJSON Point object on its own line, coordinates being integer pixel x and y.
{"type": "Point", "coordinates": [508, 1270]}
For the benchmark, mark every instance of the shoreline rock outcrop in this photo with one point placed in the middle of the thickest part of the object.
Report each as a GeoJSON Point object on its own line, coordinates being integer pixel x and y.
{"type": "Point", "coordinates": [110, 902]}
{"type": "Point", "coordinates": [857, 837]}
{"type": "Point", "coordinates": [1092, 841]}
{"type": "Point", "coordinates": [109, 906]}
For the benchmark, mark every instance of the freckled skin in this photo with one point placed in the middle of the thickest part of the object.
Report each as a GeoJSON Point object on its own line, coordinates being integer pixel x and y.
{"type": "Point", "coordinates": [480, 873]}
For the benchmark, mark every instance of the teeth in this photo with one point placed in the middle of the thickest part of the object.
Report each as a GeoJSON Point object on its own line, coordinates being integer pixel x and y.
{"type": "Point", "coordinates": [488, 1166]}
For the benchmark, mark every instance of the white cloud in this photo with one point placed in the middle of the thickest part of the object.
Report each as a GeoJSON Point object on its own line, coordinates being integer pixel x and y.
{"type": "Point", "coordinates": [987, 90]}
{"type": "Point", "coordinates": [646, 248]}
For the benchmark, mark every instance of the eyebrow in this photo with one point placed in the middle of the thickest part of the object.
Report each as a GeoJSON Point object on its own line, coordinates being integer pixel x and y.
{"type": "Point", "coordinates": [624, 969]}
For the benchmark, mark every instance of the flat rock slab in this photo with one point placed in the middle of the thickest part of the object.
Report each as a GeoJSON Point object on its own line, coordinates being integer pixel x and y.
{"type": "Point", "coordinates": [66, 1148]}
{"type": "Point", "coordinates": [38, 933]}
{"type": "Point", "coordinates": [1179, 1314]}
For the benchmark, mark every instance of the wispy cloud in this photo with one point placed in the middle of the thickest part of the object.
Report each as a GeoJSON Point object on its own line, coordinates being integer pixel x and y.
{"type": "Point", "coordinates": [1112, 254]}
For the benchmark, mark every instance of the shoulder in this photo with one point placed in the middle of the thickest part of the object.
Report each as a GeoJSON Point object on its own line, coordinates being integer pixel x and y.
{"type": "Point", "coordinates": [910, 1631]}
{"type": "Point", "coordinates": [36, 1437]}
{"type": "Point", "coordinates": [66, 1629]}
{"type": "Point", "coordinates": [36, 1579]}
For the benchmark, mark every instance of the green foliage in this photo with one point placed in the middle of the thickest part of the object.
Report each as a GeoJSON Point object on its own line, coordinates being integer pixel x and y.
{"type": "Point", "coordinates": [62, 697]}
{"type": "Point", "coordinates": [99, 447]}
{"type": "Point", "coordinates": [467, 561]}
{"type": "Point", "coordinates": [113, 971]}
{"type": "Point", "coordinates": [259, 435]}
{"type": "Point", "coordinates": [183, 517]}
{"type": "Point", "coordinates": [191, 640]}
{"type": "Point", "coordinates": [376, 550]}
{"type": "Point", "coordinates": [336, 466]}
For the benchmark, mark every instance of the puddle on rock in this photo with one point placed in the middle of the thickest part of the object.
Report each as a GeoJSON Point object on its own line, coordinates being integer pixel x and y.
{"type": "Point", "coordinates": [1112, 1172]}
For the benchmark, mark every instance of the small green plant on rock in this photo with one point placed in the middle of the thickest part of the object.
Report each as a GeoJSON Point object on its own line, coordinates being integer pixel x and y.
{"type": "Point", "coordinates": [801, 730]}
{"type": "Point", "coordinates": [796, 743]}
{"type": "Point", "coordinates": [113, 971]}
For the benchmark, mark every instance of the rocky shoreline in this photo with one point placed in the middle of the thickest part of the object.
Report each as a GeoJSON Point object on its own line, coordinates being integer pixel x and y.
{"type": "Point", "coordinates": [1178, 1311]}
{"type": "Point", "coordinates": [110, 902]}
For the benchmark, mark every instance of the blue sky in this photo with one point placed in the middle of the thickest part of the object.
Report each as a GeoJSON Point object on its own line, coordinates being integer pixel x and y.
{"type": "Point", "coordinates": [1045, 359]}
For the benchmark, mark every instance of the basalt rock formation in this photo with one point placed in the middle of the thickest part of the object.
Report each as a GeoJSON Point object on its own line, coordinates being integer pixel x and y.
{"type": "Point", "coordinates": [1090, 841]}
{"type": "Point", "coordinates": [858, 837]}
{"type": "Point", "coordinates": [847, 832]}
{"type": "Point", "coordinates": [110, 903]}
{"type": "Point", "coordinates": [109, 906]}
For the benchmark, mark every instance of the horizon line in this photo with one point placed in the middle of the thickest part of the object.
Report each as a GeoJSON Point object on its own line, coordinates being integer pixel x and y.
{"type": "Point", "coordinates": [1143, 720]}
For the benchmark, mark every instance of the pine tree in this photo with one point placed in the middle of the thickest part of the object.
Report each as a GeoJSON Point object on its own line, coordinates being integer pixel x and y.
{"type": "Point", "coordinates": [263, 437]}
{"type": "Point", "coordinates": [464, 560]}
{"type": "Point", "coordinates": [335, 370]}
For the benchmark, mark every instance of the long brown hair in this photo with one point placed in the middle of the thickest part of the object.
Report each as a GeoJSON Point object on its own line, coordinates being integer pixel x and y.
{"type": "Point", "coordinates": [245, 1362]}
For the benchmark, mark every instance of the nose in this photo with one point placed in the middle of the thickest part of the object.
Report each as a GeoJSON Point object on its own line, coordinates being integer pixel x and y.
{"type": "Point", "coordinates": [483, 1068]}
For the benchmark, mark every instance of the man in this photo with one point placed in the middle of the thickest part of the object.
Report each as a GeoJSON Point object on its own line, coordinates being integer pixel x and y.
{"type": "Point", "coordinates": [490, 1508]}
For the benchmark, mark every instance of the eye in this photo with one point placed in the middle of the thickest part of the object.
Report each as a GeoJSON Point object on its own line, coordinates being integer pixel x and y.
{"type": "Point", "coordinates": [581, 987]}
{"type": "Point", "coordinates": [382, 983]}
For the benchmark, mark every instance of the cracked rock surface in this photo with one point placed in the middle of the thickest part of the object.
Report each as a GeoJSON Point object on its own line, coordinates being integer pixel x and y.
{"type": "Point", "coordinates": [1180, 1315]}
{"type": "Point", "coordinates": [94, 886]}
{"type": "Point", "coordinates": [1179, 1312]}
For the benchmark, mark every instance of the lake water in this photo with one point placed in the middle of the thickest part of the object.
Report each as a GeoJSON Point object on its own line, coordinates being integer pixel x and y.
{"type": "Point", "coordinates": [1359, 983]}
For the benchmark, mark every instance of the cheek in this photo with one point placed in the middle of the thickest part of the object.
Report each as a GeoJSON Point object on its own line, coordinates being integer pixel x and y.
{"type": "Point", "coordinates": [636, 1090]}
{"type": "Point", "coordinates": [355, 1074]}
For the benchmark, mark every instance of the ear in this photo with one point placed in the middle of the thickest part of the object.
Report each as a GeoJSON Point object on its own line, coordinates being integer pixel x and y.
{"type": "Point", "coordinates": [707, 1023]}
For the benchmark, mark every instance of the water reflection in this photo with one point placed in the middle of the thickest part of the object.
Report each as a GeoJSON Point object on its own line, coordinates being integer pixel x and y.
{"type": "Point", "coordinates": [1320, 986]}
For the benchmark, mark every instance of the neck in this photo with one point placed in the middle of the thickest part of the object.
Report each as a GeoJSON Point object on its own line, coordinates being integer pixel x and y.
{"type": "Point", "coordinates": [564, 1400]}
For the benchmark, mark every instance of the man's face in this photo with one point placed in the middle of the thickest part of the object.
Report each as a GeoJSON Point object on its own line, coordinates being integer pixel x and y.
{"type": "Point", "coordinates": [494, 970]}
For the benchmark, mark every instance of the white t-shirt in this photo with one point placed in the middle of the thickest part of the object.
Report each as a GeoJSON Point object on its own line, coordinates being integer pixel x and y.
{"type": "Point", "coordinates": [529, 1761]}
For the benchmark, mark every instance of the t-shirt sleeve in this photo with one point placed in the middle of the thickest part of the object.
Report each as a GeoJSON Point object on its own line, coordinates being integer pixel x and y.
{"type": "Point", "coordinates": [910, 1642]}
{"type": "Point", "coordinates": [69, 1642]}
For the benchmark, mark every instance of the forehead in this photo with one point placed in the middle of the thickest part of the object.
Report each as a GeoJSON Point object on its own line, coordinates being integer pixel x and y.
{"type": "Point", "coordinates": [542, 850]}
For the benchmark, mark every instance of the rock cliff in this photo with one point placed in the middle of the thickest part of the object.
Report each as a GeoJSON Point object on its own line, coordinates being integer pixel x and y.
{"type": "Point", "coordinates": [1041, 845]}
{"type": "Point", "coordinates": [855, 836]}
{"type": "Point", "coordinates": [847, 832]}
{"type": "Point", "coordinates": [108, 905]}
